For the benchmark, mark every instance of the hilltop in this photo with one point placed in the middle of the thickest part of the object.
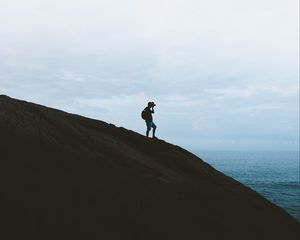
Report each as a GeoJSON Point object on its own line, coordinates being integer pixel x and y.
{"type": "Point", "coordinates": [64, 176]}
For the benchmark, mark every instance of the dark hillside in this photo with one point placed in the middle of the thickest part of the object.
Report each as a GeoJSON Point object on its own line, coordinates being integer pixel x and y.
{"type": "Point", "coordinates": [63, 176]}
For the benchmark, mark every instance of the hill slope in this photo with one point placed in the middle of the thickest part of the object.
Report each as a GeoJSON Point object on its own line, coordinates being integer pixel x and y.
{"type": "Point", "coordinates": [64, 176]}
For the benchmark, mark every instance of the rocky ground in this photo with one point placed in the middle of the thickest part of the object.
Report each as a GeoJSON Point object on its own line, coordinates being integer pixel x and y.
{"type": "Point", "coordinates": [63, 176]}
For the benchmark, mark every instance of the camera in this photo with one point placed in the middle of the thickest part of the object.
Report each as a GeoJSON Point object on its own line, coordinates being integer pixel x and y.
{"type": "Point", "coordinates": [153, 104]}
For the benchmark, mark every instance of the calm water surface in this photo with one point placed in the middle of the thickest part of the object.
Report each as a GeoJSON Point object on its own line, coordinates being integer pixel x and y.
{"type": "Point", "coordinates": [275, 175]}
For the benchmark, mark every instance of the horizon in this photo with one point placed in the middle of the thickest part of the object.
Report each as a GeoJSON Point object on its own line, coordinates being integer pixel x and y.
{"type": "Point", "coordinates": [224, 78]}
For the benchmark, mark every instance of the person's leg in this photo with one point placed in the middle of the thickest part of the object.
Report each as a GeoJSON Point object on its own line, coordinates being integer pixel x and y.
{"type": "Point", "coordinates": [154, 128]}
{"type": "Point", "coordinates": [148, 124]}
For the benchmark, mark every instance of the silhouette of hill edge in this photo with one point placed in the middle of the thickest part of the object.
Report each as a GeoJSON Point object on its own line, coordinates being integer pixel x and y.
{"type": "Point", "coordinates": [64, 176]}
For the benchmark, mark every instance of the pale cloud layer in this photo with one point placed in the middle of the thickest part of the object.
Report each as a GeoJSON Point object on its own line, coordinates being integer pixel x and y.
{"type": "Point", "coordinates": [224, 74]}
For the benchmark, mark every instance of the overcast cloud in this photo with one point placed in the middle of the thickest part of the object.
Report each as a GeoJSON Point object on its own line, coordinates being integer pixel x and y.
{"type": "Point", "coordinates": [224, 74]}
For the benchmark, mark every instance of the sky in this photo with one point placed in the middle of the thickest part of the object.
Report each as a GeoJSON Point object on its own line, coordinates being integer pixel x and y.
{"type": "Point", "coordinates": [223, 74]}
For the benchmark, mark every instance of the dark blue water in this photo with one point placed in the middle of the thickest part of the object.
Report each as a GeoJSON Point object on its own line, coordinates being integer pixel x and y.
{"type": "Point", "coordinates": [275, 175]}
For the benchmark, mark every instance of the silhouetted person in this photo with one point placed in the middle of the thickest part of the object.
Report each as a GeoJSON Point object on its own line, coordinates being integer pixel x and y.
{"type": "Point", "coordinates": [147, 116]}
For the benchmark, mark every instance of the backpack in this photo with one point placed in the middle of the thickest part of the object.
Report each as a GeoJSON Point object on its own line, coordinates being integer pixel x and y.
{"type": "Point", "coordinates": [143, 114]}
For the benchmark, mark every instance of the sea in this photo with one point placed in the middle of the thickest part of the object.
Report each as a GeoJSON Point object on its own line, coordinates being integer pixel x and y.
{"type": "Point", "coordinates": [273, 174]}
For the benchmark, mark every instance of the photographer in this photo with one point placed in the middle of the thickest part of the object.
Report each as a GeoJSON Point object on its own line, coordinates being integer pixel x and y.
{"type": "Point", "coordinates": [147, 116]}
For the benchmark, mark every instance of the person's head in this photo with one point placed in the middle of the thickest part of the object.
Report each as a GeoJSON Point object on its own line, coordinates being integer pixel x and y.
{"type": "Point", "coordinates": [151, 104]}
